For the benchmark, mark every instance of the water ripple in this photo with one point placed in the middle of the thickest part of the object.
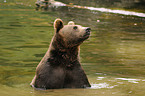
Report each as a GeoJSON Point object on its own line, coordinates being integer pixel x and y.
{"type": "Point", "coordinates": [122, 12]}
{"type": "Point", "coordinates": [101, 85]}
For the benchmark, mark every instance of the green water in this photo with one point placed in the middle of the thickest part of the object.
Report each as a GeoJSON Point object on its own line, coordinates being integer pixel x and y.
{"type": "Point", "coordinates": [116, 49]}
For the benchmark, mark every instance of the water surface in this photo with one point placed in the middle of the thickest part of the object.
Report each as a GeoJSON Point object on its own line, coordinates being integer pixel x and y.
{"type": "Point", "coordinates": [113, 57]}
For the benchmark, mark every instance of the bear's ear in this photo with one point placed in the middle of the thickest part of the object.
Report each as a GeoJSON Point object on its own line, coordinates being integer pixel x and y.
{"type": "Point", "coordinates": [58, 24]}
{"type": "Point", "coordinates": [71, 23]}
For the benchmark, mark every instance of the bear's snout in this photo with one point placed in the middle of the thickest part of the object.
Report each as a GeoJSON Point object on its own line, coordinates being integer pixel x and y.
{"type": "Point", "coordinates": [88, 30]}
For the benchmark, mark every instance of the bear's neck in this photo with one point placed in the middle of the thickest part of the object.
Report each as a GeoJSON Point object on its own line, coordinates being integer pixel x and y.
{"type": "Point", "coordinates": [61, 53]}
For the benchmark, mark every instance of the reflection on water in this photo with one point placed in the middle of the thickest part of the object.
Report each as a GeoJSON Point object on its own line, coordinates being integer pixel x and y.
{"type": "Point", "coordinates": [58, 4]}
{"type": "Point", "coordinates": [117, 11]}
{"type": "Point", "coordinates": [101, 85]}
{"type": "Point", "coordinates": [130, 80]}
{"type": "Point", "coordinates": [113, 57]}
{"type": "Point", "coordinates": [125, 4]}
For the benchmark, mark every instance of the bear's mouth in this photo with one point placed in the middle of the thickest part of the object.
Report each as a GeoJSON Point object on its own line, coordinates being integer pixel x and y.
{"type": "Point", "coordinates": [87, 34]}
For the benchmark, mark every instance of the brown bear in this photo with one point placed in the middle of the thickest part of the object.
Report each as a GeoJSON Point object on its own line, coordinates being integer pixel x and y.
{"type": "Point", "coordinates": [60, 67]}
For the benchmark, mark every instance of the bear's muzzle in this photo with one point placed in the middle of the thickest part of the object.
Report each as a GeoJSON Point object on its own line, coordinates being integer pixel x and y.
{"type": "Point", "coordinates": [88, 30]}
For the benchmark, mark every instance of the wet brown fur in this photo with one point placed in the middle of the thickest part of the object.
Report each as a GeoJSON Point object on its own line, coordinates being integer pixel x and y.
{"type": "Point", "coordinates": [60, 67]}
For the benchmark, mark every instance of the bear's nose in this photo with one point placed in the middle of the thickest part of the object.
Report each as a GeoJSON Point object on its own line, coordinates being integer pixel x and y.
{"type": "Point", "coordinates": [88, 29]}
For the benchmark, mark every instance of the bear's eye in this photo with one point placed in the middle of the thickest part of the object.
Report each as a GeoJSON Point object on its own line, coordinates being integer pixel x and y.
{"type": "Point", "coordinates": [75, 27]}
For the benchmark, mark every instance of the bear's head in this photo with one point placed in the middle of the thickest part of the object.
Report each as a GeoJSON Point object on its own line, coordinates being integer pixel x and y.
{"type": "Point", "coordinates": [71, 34]}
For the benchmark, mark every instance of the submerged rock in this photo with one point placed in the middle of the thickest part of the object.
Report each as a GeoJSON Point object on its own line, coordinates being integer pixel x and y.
{"type": "Point", "coordinates": [41, 4]}
{"type": "Point", "coordinates": [45, 4]}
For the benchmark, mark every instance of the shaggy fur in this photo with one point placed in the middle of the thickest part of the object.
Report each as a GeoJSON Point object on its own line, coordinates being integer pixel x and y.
{"type": "Point", "coordinates": [60, 67]}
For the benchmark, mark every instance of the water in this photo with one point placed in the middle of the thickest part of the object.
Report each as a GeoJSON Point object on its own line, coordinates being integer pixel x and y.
{"type": "Point", "coordinates": [123, 12]}
{"type": "Point", "coordinates": [113, 57]}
